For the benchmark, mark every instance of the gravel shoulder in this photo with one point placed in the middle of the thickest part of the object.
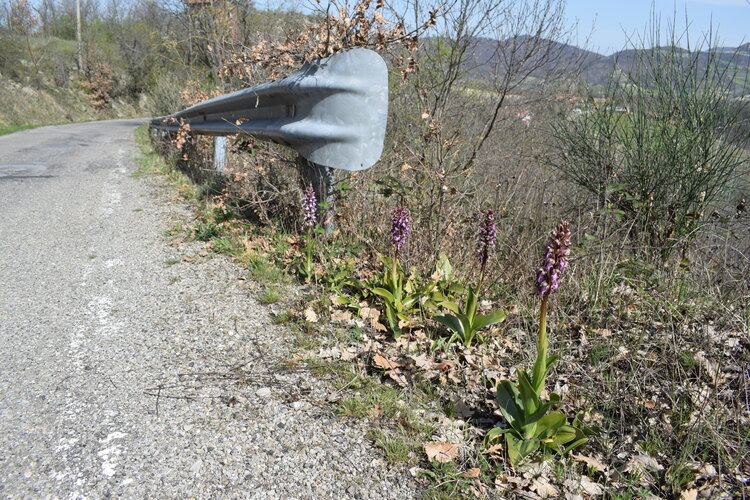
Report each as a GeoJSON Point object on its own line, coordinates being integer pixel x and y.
{"type": "Point", "coordinates": [127, 371]}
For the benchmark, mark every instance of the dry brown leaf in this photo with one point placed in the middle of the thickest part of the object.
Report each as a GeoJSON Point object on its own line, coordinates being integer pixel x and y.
{"type": "Point", "coordinates": [341, 316]}
{"type": "Point", "coordinates": [472, 473]}
{"type": "Point", "coordinates": [493, 450]}
{"type": "Point", "coordinates": [378, 326]}
{"type": "Point", "coordinates": [348, 354]}
{"type": "Point", "coordinates": [444, 365]}
{"type": "Point", "coordinates": [369, 313]}
{"type": "Point", "coordinates": [311, 316]}
{"type": "Point", "coordinates": [471, 361]}
{"type": "Point", "coordinates": [376, 411]}
{"type": "Point", "coordinates": [398, 376]}
{"type": "Point", "coordinates": [590, 487]}
{"type": "Point", "coordinates": [383, 363]}
{"type": "Point", "coordinates": [590, 461]}
{"type": "Point", "coordinates": [423, 362]}
{"type": "Point", "coordinates": [642, 463]}
{"type": "Point", "coordinates": [504, 482]}
{"type": "Point", "coordinates": [689, 495]}
{"type": "Point", "coordinates": [544, 488]}
{"type": "Point", "coordinates": [420, 335]}
{"type": "Point", "coordinates": [441, 451]}
{"type": "Point", "coordinates": [454, 377]}
{"type": "Point", "coordinates": [622, 352]}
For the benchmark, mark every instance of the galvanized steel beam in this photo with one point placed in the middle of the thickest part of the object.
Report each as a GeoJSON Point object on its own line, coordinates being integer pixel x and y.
{"type": "Point", "coordinates": [333, 111]}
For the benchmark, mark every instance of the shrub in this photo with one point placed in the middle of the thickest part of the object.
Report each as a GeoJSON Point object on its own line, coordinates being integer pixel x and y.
{"type": "Point", "coordinates": [656, 152]}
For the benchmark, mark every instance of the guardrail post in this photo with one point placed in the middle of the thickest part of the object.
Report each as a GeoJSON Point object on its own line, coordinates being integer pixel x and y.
{"type": "Point", "coordinates": [321, 180]}
{"type": "Point", "coordinates": [220, 153]}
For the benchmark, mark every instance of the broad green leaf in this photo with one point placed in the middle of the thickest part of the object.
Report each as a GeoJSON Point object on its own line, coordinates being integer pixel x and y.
{"type": "Point", "coordinates": [560, 438]}
{"type": "Point", "coordinates": [383, 293]}
{"type": "Point", "coordinates": [392, 321]}
{"type": "Point", "coordinates": [507, 401]}
{"type": "Point", "coordinates": [482, 321]}
{"type": "Point", "coordinates": [518, 449]}
{"type": "Point", "coordinates": [402, 316]}
{"type": "Point", "coordinates": [494, 433]}
{"type": "Point", "coordinates": [342, 300]}
{"type": "Point", "coordinates": [411, 301]}
{"type": "Point", "coordinates": [551, 361]}
{"type": "Point", "coordinates": [550, 424]}
{"type": "Point", "coordinates": [574, 445]}
{"type": "Point", "coordinates": [529, 398]}
{"type": "Point", "coordinates": [450, 305]}
{"type": "Point", "coordinates": [514, 452]}
{"type": "Point", "coordinates": [529, 446]}
{"type": "Point", "coordinates": [471, 303]}
{"type": "Point", "coordinates": [444, 265]}
{"type": "Point", "coordinates": [429, 305]}
{"type": "Point", "coordinates": [544, 407]}
{"type": "Point", "coordinates": [451, 322]}
{"type": "Point", "coordinates": [466, 324]}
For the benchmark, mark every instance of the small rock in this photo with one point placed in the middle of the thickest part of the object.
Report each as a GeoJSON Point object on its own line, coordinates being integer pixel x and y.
{"type": "Point", "coordinates": [263, 392]}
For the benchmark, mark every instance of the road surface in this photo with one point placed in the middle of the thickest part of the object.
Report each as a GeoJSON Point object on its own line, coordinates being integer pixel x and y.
{"type": "Point", "coordinates": [127, 371]}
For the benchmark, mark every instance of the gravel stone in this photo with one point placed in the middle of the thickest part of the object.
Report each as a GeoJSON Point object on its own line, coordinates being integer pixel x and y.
{"type": "Point", "coordinates": [263, 392]}
{"type": "Point", "coordinates": [125, 374]}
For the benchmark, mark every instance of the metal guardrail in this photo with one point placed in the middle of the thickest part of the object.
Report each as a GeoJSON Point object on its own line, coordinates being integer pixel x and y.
{"type": "Point", "coordinates": [333, 111]}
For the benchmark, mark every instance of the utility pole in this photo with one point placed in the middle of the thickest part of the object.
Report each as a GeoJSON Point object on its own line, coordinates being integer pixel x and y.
{"type": "Point", "coordinates": [78, 36]}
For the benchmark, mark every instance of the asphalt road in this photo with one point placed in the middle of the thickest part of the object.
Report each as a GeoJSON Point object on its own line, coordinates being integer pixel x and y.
{"type": "Point", "coordinates": [126, 370]}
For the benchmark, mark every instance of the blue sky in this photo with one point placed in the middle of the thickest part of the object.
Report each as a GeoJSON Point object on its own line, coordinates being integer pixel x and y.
{"type": "Point", "coordinates": [607, 23]}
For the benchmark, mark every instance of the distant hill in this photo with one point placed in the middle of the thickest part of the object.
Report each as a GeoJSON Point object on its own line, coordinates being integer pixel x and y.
{"type": "Point", "coordinates": [485, 56]}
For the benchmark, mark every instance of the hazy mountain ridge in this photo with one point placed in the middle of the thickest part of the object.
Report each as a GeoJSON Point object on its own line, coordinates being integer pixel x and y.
{"type": "Point", "coordinates": [484, 55]}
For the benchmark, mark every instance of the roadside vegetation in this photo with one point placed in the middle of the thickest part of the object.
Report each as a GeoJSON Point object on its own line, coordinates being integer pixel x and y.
{"type": "Point", "coordinates": [542, 289]}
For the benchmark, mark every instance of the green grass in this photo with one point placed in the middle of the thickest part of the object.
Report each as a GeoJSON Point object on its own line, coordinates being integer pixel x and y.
{"type": "Point", "coordinates": [204, 231]}
{"type": "Point", "coordinates": [262, 269]}
{"type": "Point", "coordinates": [270, 295]}
{"type": "Point", "coordinates": [399, 447]}
{"type": "Point", "coordinates": [174, 230]}
{"type": "Point", "coordinates": [397, 429]}
{"type": "Point", "coordinates": [28, 126]}
{"type": "Point", "coordinates": [150, 162]}
{"type": "Point", "coordinates": [18, 128]}
{"type": "Point", "coordinates": [283, 318]}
